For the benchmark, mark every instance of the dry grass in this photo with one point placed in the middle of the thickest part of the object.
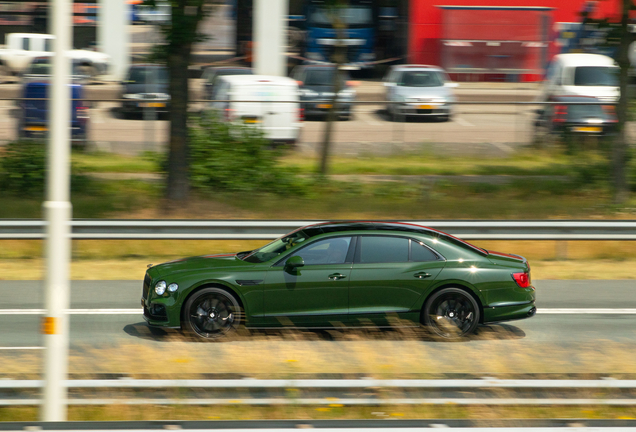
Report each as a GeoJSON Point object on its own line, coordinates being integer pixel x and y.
{"type": "Point", "coordinates": [127, 260]}
{"type": "Point", "coordinates": [133, 269]}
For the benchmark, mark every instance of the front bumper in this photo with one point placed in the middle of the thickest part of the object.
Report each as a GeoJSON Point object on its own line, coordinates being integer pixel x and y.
{"type": "Point", "coordinates": [422, 109]}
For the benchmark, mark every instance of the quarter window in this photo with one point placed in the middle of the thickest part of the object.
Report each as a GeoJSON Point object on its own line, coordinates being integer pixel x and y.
{"type": "Point", "coordinates": [420, 253]}
{"type": "Point", "coordinates": [383, 249]}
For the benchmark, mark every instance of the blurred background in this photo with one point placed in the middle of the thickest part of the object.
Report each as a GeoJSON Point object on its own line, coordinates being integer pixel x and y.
{"type": "Point", "coordinates": [353, 109]}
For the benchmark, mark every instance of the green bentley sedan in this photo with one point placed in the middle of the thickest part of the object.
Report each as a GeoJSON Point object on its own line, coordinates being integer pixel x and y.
{"type": "Point", "coordinates": [345, 274]}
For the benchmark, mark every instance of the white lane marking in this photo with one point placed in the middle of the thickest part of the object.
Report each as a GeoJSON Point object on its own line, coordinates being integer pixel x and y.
{"type": "Point", "coordinates": [22, 348]}
{"type": "Point", "coordinates": [74, 311]}
{"type": "Point", "coordinates": [589, 311]}
{"type": "Point", "coordinates": [553, 311]}
{"type": "Point", "coordinates": [463, 122]}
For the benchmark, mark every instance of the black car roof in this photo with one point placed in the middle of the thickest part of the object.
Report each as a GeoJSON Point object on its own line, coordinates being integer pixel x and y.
{"type": "Point", "coordinates": [337, 226]}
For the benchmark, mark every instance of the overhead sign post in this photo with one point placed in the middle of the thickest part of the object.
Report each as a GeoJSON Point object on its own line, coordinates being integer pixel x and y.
{"type": "Point", "coordinates": [57, 212]}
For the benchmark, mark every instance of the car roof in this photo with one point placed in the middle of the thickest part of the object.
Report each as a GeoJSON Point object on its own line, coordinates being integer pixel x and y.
{"type": "Point", "coordinates": [417, 66]}
{"type": "Point", "coordinates": [585, 59]}
{"type": "Point", "coordinates": [254, 79]}
{"type": "Point", "coordinates": [339, 226]}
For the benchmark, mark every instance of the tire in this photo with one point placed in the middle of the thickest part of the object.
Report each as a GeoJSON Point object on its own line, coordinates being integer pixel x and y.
{"type": "Point", "coordinates": [451, 314]}
{"type": "Point", "coordinates": [211, 314]}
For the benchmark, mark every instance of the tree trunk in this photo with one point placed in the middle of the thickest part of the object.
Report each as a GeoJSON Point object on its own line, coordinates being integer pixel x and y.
{"type": "Point", "coordinates": [178, 183]}
{"type": "Point", "coordinates": [619, 148]}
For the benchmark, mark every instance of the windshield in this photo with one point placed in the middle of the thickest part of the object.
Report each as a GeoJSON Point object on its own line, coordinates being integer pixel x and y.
{"type": "Point", "coordinates": [320, 77]}
{"type": "Point", "coordinates": [150, 75]}
{"type": "Point", "coordinates": [596, 76]}
{"type": "Point", "coordinates": [421, 79]}
{"type": "Point", "coordinates": [354, 16]}
{"type": "Point", "coordinates": [277, 247]}
{"type": "Point", "coordinates": [43, 67]}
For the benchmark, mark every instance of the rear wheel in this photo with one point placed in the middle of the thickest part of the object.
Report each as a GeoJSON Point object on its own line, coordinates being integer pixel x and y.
{"type": "Point", "coordinates": [211, 313]}
{"type": "Point", "coordinates": [451, 313]}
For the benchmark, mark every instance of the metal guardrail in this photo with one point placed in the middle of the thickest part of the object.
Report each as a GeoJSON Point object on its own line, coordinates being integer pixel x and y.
{"type": "Point", "coordinates": [85, 229]}
{"type": "Point", "coordinates": [437, 392]}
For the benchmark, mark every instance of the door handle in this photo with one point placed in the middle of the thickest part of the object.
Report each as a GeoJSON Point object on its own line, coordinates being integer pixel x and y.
{"type": "Point", "coordinates": [336, 276]}
{"type": "Point", "coordinates": [422, 275]}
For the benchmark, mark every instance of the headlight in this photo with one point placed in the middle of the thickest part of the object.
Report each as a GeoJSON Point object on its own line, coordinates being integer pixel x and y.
{"type": "Point", "coordinates": [367, 56]}
{"type": "Point", "coordinates": [347, 94]}
{"type": "Point", "coordinates": [131, 96]}
{"type": "Point", "coordinates": [308, 93]}
{"type": "Point", "coordinates": [173, 287]}
{"type": "Point", "coordinates": [162, 96]}
{"type": "Point", "coordinates": [160, 287]}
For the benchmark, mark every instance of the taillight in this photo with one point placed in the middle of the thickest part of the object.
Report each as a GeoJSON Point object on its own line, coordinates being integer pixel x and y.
{"type": "Point", "coordinates": [522, 279]}
{"type": "Point", "coordinates": [229, 114]}
{"type": "Point", "coordinates": [301, 114]}
{"type": "Point", "coordinates": [560, 113]}
{"type": "Point", "coordinates": [610, 110]}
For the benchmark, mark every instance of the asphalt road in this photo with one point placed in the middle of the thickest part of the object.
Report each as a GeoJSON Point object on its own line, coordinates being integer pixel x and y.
{"type": "Point", "coordinates": [103, 312]}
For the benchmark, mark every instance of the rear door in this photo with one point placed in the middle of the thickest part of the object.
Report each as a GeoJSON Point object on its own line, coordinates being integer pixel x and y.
{"type": "Point", "coordinates": [389, 275]}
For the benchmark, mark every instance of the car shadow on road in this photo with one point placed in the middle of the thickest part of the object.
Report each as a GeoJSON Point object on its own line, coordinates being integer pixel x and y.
{"type": "Point", "coordinates": [494, 332]}
{"type": "Point", "coordinates": [383, 115]}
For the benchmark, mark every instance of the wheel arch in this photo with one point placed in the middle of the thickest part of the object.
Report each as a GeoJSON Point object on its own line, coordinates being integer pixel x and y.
{"type": "Point", "coordinates": [210, 284]}
{"type": "Point", "coordinates": [458, 285]}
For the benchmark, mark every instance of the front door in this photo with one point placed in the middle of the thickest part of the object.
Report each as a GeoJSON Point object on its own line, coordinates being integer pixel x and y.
{"type": "Point", "coordinates": [315, 294]}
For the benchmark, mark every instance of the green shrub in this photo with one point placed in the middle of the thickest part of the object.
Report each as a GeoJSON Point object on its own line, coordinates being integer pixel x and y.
{"type": "Point", "coordinates": [23, 169]}
{"type": "Point", "coordinates": [237, 158]}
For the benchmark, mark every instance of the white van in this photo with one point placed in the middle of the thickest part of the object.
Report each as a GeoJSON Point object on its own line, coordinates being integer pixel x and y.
{"type": "Point", "coordinates": [593, 75]}
{"type": "Point", "coordinates": [280, 121]}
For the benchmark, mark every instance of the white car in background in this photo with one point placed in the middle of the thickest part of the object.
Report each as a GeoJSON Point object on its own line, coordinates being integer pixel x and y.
{"type": "Point", "coordinates": [419, 91]}
{"type": "Point", "coordinates": [22, 48]}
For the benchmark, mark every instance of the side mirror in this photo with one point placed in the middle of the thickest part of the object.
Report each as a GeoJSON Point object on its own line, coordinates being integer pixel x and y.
{"type": "Point", "coordinates": [294, 262]}
{"type": "Point", "coordinates": [451, 85]}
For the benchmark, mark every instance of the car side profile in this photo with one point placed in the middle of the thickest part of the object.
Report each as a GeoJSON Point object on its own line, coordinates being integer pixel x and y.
{"type": "Point", "coordinates": [342, 274]}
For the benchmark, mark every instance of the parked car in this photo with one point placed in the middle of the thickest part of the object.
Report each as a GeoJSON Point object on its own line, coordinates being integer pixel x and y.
{"type": "Point", "coordinates": [342, 273]}
{"type": "Point", "coordinates": [419, 91]}
{"type": "Point", "coordinates": [317, 89]}
{"type": "Point", "coordinates": [33, 114]}
{"type": "Point", "coordinates": [145, 86]}
{"type": "Point", "coordinates": [573, 74]}
{"type": "Point", "coordinates": [211, 74]}
{"type": "Point", "coordinates": [563, 119]}
{"type": "Point", "coordinates": [268, 102]}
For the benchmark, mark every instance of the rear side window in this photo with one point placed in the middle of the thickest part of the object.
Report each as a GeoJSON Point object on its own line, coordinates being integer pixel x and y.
{"type": "Point", "coordinates": [596, 76]}
{"type": "Point", "coordinates": [383, 249]}
{"type": "Point", "coordinates": [26, 44]}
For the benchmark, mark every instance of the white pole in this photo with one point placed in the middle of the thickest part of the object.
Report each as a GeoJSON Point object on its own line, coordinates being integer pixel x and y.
{"type": "Point", "coordinates": [57, 210]}
{"type": "Point", "coordinates": [113, 37]}
{"type": "Point", "coordinates": [269, 37]}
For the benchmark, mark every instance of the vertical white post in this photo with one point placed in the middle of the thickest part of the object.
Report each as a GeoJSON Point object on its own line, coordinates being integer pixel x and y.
{"type": "Point", "coordinates": [57, 210]}
{"type": "Point", "coordinates": [113, 37]}
{"type": "Point", "coordinates": [269, 25]}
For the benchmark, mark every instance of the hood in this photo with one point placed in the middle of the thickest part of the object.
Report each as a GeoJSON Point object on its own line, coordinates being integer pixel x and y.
{"type": "Point", "coordinates": [506, 259]}
{"type": "Point", "coordinates": [146, 88]}
{"type": "Point", "coordinates": [425, 93]}
{"type": "Point", "coordinates": [199, 262]}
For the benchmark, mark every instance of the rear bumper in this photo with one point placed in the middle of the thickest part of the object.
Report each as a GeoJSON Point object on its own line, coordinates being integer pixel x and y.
{"type": "Point", "coordinates": [509, 313]}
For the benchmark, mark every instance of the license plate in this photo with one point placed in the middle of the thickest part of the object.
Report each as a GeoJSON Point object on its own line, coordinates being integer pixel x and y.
{"type": "Point", "coordinates": [36, 128]}
{"type": "Point", "coordinates": [588, 129]}
{"type": "Point", "coordinates": [251, 121]}
{"type": "Point", "coordinates": [426, 107]}
{"type": "Point", "coordinates": [324, 106]}
{"type": "Point", "coordinates": [152, 105]}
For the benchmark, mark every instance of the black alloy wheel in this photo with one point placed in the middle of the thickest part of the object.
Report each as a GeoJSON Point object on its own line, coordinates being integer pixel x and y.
{"type": "Point", "coordinates": [211, 313]}
{"type": "Point", "coordinates": [451, 313]}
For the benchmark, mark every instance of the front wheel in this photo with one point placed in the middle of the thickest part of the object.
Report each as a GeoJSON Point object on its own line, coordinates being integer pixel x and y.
{"type": "Point", "coordinates": [211, 313]}
{"type": "Point", "coordinates": [451, 313]}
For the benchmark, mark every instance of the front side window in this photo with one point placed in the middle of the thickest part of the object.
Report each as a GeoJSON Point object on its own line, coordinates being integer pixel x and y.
{"type": "Point", "coordinates": [328, 251]}
{"type": "Point", "coordinates": [383, 249]}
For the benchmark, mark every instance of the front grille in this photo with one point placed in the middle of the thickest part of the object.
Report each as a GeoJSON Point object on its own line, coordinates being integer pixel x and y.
{"type": "Point", "coordinates": [146, 288]}
{"type": "Point", "coordinates": [156, 312]}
